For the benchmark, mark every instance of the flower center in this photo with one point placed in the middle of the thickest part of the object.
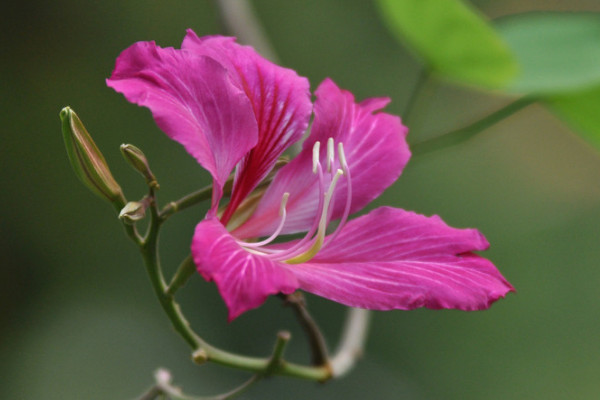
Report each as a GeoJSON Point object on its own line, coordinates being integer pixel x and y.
{"type": "Point", "coordinates": [314, 240]}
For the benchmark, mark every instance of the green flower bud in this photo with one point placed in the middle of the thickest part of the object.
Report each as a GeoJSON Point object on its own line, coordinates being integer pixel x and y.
{"type": "Point", "coordinates": [87, 160]}
{"type": "Point", "coordinates": [132, 212]}
{"type": "Point", "coordinates": [136, 158]}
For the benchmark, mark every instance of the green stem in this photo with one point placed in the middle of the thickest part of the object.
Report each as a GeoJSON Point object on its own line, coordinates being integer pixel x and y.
{"type": "Point", "coordinates": [463, 134]}
{"type": "Point", "coordinates": [185, 202]}
{"type": "Point", "coordinates": [185, 271]}
{"type": "Point", "coordinates": [149, 251]}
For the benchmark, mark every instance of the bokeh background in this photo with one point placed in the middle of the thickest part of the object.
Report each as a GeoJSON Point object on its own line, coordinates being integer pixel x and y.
{"type": "Point", "coordinates": [78, 319]}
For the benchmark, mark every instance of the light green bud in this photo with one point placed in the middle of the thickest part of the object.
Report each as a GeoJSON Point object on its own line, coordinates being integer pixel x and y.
{"type": "Point", "coordinates": [87, 160]}
{"type": "Point", "coordinates": [137, 159]}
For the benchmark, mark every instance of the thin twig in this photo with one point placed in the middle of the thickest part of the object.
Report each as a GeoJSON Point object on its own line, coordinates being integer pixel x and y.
{"type": "Point", "coordinates": [415, 94]}
{"type": "Point", "coordinates": [318, 347]}
{"type": "Point", "coordinates": [186, 270]}
{"type": "Point", "coordinates": [463, 134]}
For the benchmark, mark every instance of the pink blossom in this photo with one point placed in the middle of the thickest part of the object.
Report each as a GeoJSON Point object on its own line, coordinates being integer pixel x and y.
{"type": "Point", "coordinates": [233, 110]}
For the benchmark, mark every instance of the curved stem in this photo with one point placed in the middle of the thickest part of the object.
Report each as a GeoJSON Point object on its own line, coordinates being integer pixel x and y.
{"type": "Point", "coordinates": [315, 337]}
{"type": "Point", "coordinates": [149, 251]}
{"type": "Point", "coordinates": [463, 134]}
{"type": "Point", "coordinates": [202, 350]}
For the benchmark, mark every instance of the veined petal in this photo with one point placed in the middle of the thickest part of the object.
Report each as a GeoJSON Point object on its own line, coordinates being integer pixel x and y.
{"type": "Point", "coordinates": [394, 259]}
{"type": "Point", "coordinates": [243, 279]}
{"type": "Point", "coordinates": [193, 100]}
{"type": "Point", "coordinates": [376, 152]}
{"type": "Point", "coordinates": [280, 100]}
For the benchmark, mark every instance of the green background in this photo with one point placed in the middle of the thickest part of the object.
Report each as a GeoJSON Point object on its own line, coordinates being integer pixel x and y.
{"type": "Point", "coordinates": [78, 318]}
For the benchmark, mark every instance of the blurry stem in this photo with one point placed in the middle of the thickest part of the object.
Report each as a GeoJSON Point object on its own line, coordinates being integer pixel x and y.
{"type": "Point", "coordinates": [164, 387]}
{"type": "Point", "coordinates": [351, 346]}
{"type": "Point", "coordinates": [463, 134]}
{"type": "Point", "coordinates": [239, 20]}
{"type": "Point", "coordinates": [185, 271]}
{"type": "Point", "coordinates": [416, 94]}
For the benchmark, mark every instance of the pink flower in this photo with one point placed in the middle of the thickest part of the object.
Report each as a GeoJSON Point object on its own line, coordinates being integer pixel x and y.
{"type": "Point", "coordinates": [232, 109]}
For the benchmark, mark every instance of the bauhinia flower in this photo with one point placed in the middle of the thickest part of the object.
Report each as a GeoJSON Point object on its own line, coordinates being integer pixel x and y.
{"type": "Point", "coordinates": [236, 112]}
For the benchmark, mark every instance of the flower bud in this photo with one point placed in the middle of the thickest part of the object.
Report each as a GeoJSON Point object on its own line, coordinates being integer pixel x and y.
{"type": "Point", "coordinates": [87, 160]}
{"type": "Point", "coordinates": [132, 212]}
{"type": "Point", "coordinates": [136, 158]}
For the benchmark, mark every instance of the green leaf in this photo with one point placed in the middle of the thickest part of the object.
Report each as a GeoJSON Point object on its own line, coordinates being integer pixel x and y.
{"type": "Point", "coordinates": [581, 111]}
{"type": "Point", "coordinates": [452, 39]}
{"type": "Point", "coordinates": [557, 52]}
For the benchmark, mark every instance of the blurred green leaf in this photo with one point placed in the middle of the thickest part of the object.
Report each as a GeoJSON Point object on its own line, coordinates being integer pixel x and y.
{"type": "Point", "coordinates": [557, 52]}
{"type": "Point", "coordinates": [453, 40]}
{"type": "Point", "coordinates": [581, 111]}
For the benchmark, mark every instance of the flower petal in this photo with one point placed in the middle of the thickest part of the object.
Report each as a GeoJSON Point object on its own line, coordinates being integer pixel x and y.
{"type": "Point", "coordinates": [376, 152]}
{"type": "Point", "coordinates": [243, 279]}
{"type": "Point", "coordinates": [394, 259]}
{"type": "Point", "coordinates": [280, 100]}
{"type": "Point", "coordinates": [193, 100]}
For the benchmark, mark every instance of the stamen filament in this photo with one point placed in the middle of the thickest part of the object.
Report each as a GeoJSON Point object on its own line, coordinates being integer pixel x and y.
{"type": "Point", "coordinates": [299, 247]}
{"type": "Point", "coordinates": [314, 249]}
{"type": "Point", "coordinates": [346, 213]}
{"type": "Point", "coordinates": [282, 214]}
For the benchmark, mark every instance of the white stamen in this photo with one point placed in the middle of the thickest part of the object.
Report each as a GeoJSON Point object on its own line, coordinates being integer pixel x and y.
{"type": "Point", "coordinates": [283, 215]}
{"type": "Point", "coordinates": [342, 156]}
{"type": "Point", "coordinates": [305, 242]}
{"type": "Point", "coordinates": [344, 218]}
{"type": "Point", "coordinates": [316, 149]}
{"type": "Point", "coordinates": [330, 153]}
{"type": "Point", "coordinates": [314, 240]}
{"type": "Point", "coordinates": [318, 240]}
{"type": "Point", "coordinates": [284, 200]}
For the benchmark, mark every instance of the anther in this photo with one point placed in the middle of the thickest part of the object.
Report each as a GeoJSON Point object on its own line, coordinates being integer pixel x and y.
{"type": "Point", "coordinates": [342, 156]}
{"type": "Point", "coordinates": [316, 149]}
{"type": "Point", "coordinates": [330, 153]}
{"type": "Point", "coordinates": [284, 200]}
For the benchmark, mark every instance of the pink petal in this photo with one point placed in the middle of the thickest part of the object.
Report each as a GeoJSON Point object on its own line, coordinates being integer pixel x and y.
{"type": "Point", "coordinates": [243, 279]}
{"type": "Point", "coordinates": [193, 99]}
{"type": "Point", "coordinates": [281, 103]}
{"type": "Point", "coordinates": [394, 259]}
{"type": "Point", "coordinates": [376, 151]}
